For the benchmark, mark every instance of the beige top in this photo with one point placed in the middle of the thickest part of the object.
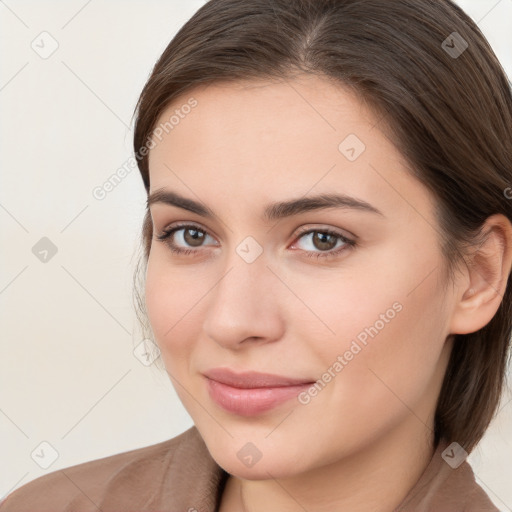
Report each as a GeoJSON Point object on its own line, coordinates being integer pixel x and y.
{"type": "Point", "coordinates": [179, 475]}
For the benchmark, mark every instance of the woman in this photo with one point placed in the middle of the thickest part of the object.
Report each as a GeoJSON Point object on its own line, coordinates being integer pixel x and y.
{"type": "Point", "coordinates": [328, 244]}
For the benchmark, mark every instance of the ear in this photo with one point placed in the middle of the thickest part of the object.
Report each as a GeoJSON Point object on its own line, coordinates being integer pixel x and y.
{"type": "Point", "coordinates": [485, 282]}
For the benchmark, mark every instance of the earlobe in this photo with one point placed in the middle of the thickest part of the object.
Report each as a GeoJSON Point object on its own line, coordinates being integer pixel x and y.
{"type": "Point", "coordinates": [485, 284]}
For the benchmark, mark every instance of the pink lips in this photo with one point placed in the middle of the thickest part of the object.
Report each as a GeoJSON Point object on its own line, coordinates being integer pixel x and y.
{"type": "Point", "coordinates": [251, 393]}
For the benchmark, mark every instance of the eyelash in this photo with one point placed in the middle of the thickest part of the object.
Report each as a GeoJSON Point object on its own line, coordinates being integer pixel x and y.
{"type": "Point", "coordinates": [349, 244]}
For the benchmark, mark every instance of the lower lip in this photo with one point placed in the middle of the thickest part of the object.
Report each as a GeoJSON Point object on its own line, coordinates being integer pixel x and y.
{"type": "Point", "coordinates": [250, 402]}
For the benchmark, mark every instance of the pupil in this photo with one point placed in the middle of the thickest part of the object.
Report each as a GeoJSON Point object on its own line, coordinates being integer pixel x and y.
{"type": "Point", "coordinates": [193, 238]}
{"type": "Point", "coordinates": [323, 240]}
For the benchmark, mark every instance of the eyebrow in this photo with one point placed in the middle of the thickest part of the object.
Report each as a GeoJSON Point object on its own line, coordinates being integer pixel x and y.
{"type": "Point", "coordinates": [273, 211]}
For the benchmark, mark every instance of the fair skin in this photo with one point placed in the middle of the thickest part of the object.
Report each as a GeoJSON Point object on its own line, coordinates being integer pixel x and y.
{"type": "Point", "coordinates": [363, 441]}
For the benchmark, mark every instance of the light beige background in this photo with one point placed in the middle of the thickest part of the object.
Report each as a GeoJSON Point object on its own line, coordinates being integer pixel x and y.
{"type": "Point", "coordinates": [68, 374]}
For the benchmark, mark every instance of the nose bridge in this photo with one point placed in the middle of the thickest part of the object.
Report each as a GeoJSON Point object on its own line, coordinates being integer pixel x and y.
{"type": "Point", "coordinates": [246, 267]}
{"type": "Point", "coordinates": [244, 303]}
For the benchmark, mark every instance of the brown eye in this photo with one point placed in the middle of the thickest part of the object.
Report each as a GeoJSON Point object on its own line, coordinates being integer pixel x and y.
{"type": "Point", "coordinates": [324, 243]}
{"type": "Point", "coordinates": [182, 239]}
{"type": "Point", "coordinates": [193, 237]}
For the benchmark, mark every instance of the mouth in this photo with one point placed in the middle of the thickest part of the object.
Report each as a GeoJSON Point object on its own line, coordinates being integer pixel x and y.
{"type": "Point", "coordinates": [251, 393]}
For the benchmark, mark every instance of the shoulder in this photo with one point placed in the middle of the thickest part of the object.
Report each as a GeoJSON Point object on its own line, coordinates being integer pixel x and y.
{"type": "Point", "coordinates": [448, 484]}
{"type": "Point", "coordinates": [460, 489]}
{"type": "Point", "coordinates": [134, 475]}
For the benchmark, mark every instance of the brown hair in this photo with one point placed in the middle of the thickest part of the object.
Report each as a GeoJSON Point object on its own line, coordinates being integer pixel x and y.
{"type": "Point", "coordinates": [447, 110]}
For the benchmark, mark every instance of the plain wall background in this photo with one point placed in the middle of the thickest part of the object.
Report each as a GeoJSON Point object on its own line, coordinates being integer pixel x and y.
{"type": "Point", "coordinates": [68, 374]}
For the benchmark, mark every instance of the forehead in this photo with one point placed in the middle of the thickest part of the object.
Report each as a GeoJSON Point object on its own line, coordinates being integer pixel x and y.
{"type": "Point", "coordinates": [280, 115]}
{"type": "Point", "coordinates": [257, 138]}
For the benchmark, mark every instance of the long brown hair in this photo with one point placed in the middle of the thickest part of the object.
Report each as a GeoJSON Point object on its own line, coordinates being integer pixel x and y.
{"type": "Point", "coordinates": [442, 97]}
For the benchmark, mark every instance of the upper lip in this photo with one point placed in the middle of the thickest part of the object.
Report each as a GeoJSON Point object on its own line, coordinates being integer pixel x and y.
{"type": "Point", "coordinates": [251, 379]}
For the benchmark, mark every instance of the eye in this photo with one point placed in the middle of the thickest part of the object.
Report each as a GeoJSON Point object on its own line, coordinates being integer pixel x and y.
{"type": "Point", "coordinates": [191, 235]}
{"type": "Point", "coordinates": [327, 241]}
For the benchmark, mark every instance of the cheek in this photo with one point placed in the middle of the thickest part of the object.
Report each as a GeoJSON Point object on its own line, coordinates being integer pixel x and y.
{"type": "Point", "coordinates": [172, 300]}
{"type": "Point", "coordinates": [390, 325]}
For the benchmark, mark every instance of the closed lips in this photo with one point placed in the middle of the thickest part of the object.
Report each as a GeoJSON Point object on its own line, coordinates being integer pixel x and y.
{"type": "Point", "coordinates": [251, 379]}
{"type": "Point", "coordinates": [251, 393]}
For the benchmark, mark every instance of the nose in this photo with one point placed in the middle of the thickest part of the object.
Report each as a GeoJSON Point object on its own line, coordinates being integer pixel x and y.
{"type": "Point", "coordinates": [245, 306]}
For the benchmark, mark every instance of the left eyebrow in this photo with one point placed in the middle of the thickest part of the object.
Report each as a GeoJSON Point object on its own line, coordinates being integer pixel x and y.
{"type": "Point", "coordinates": [273, 211]}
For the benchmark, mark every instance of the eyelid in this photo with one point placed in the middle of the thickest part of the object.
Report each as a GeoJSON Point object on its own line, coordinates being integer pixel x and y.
{"type": "Point", "coordinates": [301, 231]}
{"type": "Point", "coordinates": [348, 242]}
{"type": "Point", "coordinates": [169, 230]}
{"type": "Point", "coordinates": [323, 228]}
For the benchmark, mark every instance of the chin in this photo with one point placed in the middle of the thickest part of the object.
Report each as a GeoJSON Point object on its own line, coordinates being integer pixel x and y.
{"type": "Point", "coordinates": [276, 466]}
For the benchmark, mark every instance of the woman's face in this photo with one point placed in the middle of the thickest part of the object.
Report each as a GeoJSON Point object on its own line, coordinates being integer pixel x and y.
{"type": "Point", "coordinates": [361, 308]}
